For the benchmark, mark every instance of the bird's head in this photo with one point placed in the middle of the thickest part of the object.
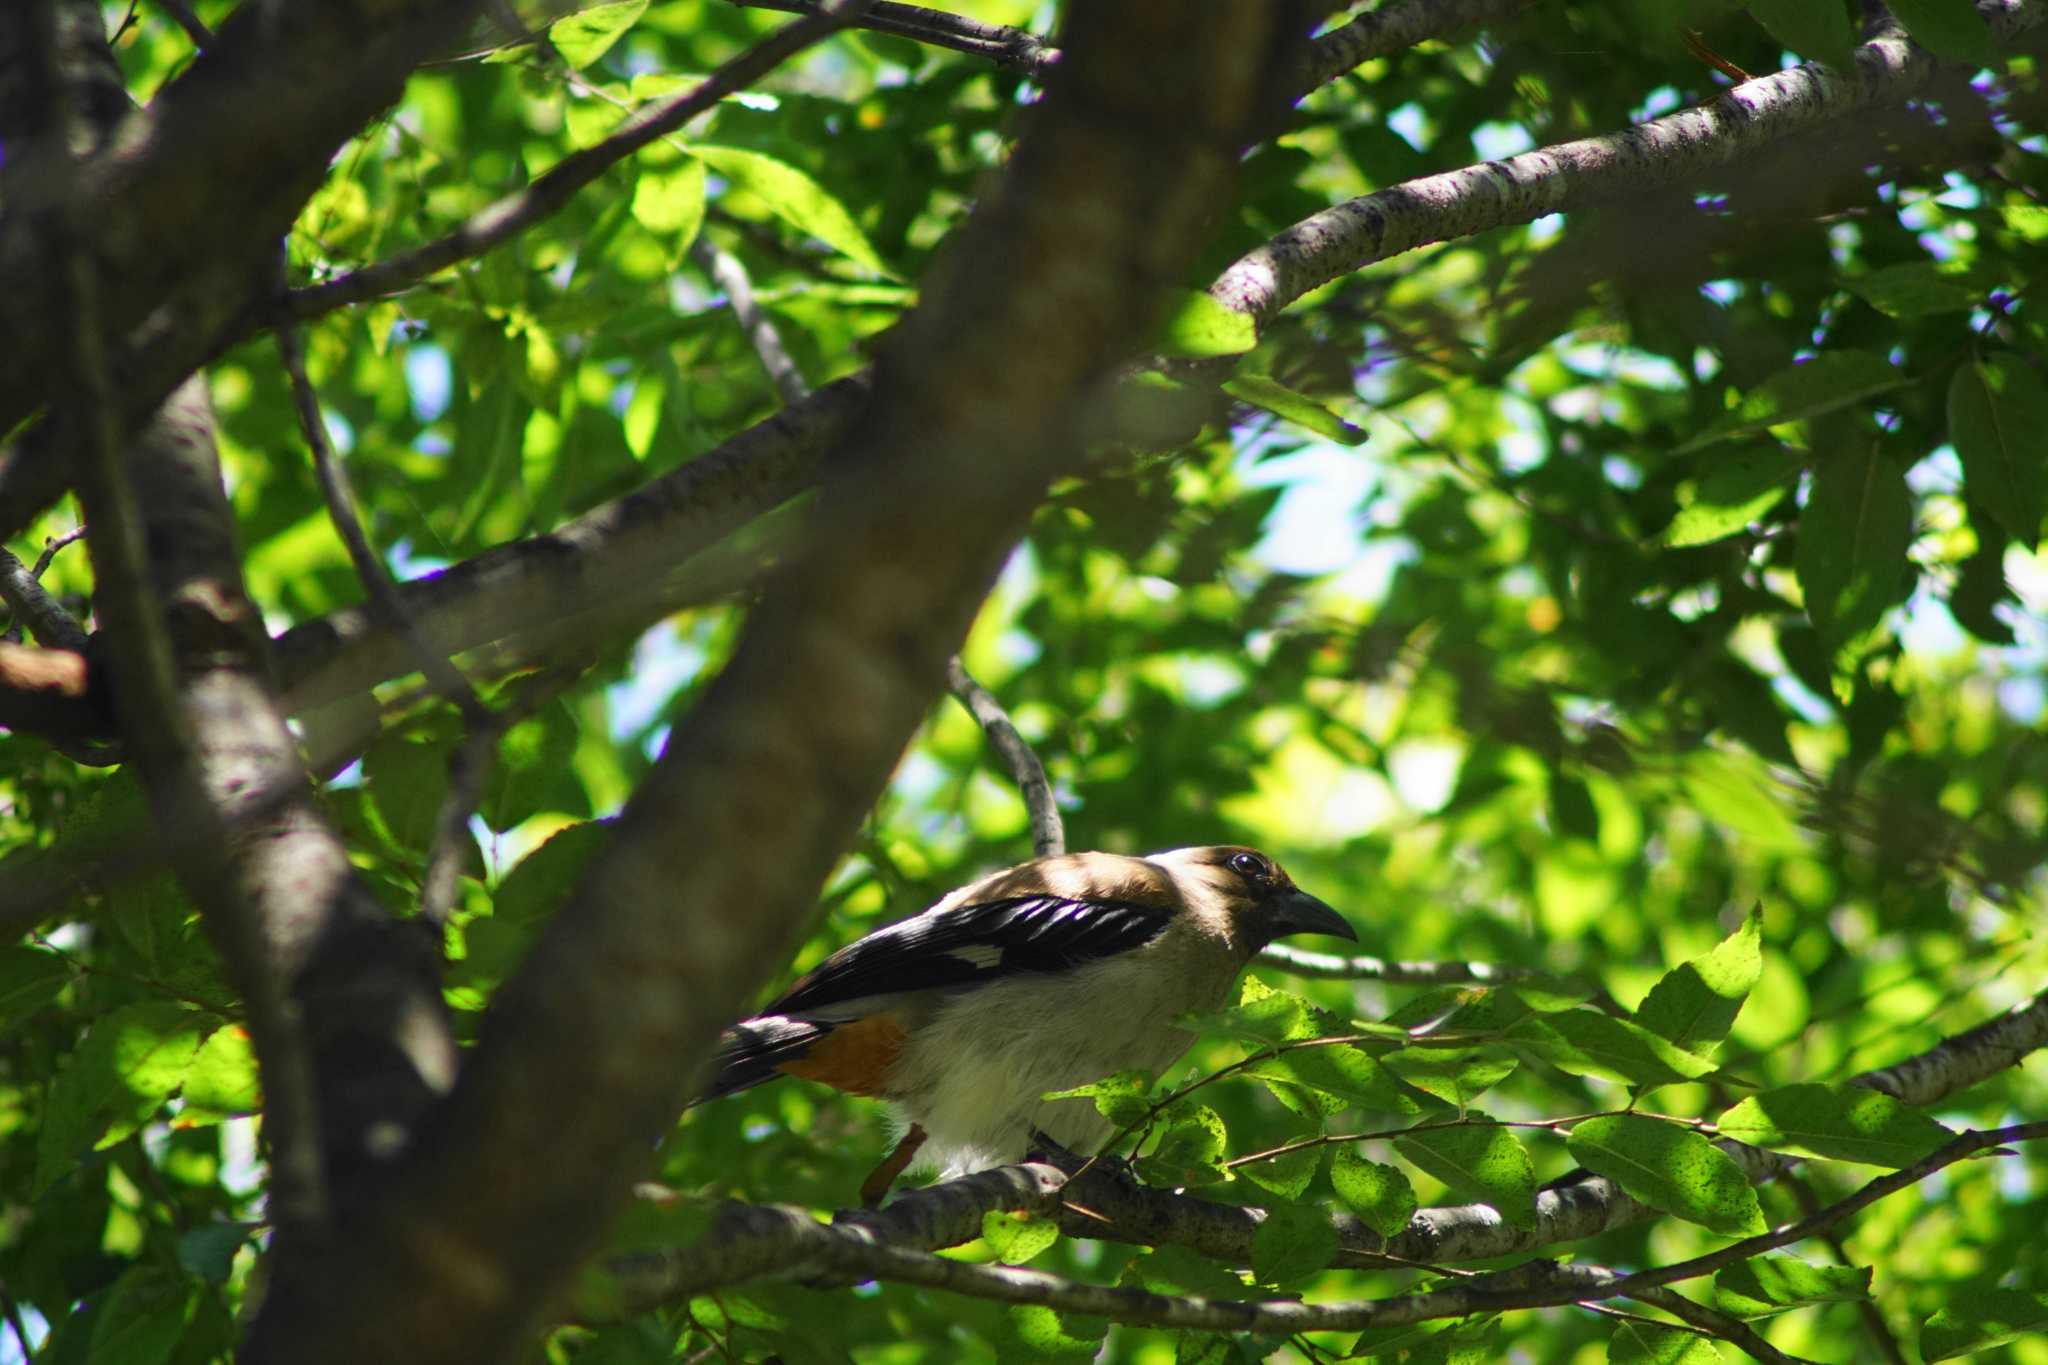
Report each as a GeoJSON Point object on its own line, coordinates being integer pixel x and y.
{"type": "Point", "coordinates": [1260, 900]}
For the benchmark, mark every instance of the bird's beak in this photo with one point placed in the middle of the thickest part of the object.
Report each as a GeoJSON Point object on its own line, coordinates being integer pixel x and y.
{"type": "Point", "coordinates": [1300, 913]}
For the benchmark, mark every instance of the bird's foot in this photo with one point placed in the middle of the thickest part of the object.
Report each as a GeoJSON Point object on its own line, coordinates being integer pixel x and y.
{"type": "Point", "coordinates": [876, 1187]}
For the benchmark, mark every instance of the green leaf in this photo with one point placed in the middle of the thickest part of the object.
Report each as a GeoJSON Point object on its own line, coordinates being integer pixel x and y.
{"type": "Point", "coordinates": [222, 1080]}
{"type": "Point", "coordinates": [534, 889]}
{"type": "Point", "coordinates": [1199, 326]}
{"type": "Point", "coordinates": [1919, 289]}
{"type": "Point", "coordinates": [1977, 1319]}
{"type": "Point", "coordinates": [532, 772]}
{"type": "Point", "coordinates": [1847, 1123]}
{"type": "Point", "coordinates": [131, 1061]}
{"type": "Point", "coordinates": [1694, 1004]}
{"type": "Point", "coordinates": [671, 202]}
{"type": "Point", "coordinates": [1671, 1168]}
{"type": "Point", "coordinates": [1264, 392]}
{"type": "Point", "coordinates": [1292, 1243]}
{"type": "Point", "coordinates": [1345, 1071]}
{"type": "Point", "coordinates": [1189, 1152]}
{"type": "Point", "coordinates": [795, 198]}
{"type": "Point", "coordinates": [1123, 1099]}
{"type": "Point", "coordinates": [1765, 1285]}
{"type": "Point", "coordinates": [30, 978]}
{"type": "Point", "coordinates": [1482, 1161]}
{"type": "Point", "coordinates": [1262, 1015]}
{"type": "Point", "coordinates": [1853, 535]}
{"type": "Point", "coordinates": [1042, 1335]}
{"type": "Point", "coordinates": [1456, 1076]}
{"type": "Point", "coordinates": [1288, 1176]}
{"type": "Point", "coordinates": [145, 1315]}
{"type": "Point", "coordinates": [1178, 1270]}
{"type": "Point", "coordinates": [1016, 1238]}
{"type": "Point", "coordinates": [1638, 1343]}
{"type": "Point", "coordinates": [1735, 492]}
{"type": "Point", "coordinates": [1817, 30]}
{"type": "Point", "coordinates": [583, 38]}
{"type": "Point", "coordinates": [1947, 28]}
{"type": "Point", "coordinates": [1831, 380]}
{"type": "Point", "coordinates": [1586, 1042]}
{"type": "Point", "coordinates": [208, 1250]}
{"type": "Point", "coordinates": [1997, 412]}
{"type": "Point", "coordinates": [1381, 1195]}
{"type": "Point", "coordinates": [405, 775]}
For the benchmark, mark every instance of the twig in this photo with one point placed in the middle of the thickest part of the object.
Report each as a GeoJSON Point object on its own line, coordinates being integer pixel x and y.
{"type": "Point", "coordinates": [52, 545]}
{"type": "Point", "coordinates": [1016, 48]}
{"type": "Point", "coordinates": [1714, 1323]}
{"type": "Point", "coordinates": [1872, 1315]}
{"type": "Point", "coordinates": [731, 276]}
{"type": "Point", "coordinates": [376, 578]}
{"type": "Point", "coordinates": [1303, 962]}
{"type": "Point", "coordinates": [1048, 834]}
{"type": "Point", "coordinates": [34, 607]}
{"type": "Point", "coordinates": [195, 28]}
{"type": "Point", "coordinates": [521, 209]}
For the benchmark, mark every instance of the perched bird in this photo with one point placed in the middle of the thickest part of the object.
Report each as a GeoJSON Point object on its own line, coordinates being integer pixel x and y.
{"type": "Point", "coordinates": [1047, 976]}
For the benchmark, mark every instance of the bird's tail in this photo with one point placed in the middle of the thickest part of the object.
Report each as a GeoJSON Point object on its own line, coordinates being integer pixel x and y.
{"type": "Point", "coordinates": [754, 1050]}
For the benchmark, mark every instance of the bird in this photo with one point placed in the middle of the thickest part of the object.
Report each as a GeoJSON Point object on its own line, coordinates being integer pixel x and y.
{"type": "Point", "coordinates": [1045, 976]}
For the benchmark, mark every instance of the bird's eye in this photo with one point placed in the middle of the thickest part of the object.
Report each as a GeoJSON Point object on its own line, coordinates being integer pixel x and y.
{"type": "Point", "coordinates": [1251, 866]}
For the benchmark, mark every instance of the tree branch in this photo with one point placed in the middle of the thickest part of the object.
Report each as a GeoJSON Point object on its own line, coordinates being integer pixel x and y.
{"type": "Point", "coordinates": [731, 276]}
{"type": "Point", "coordinates": [1048, 834]}
{"type": "Point", "coordinates": [1097, 1202]}
{"type": "Point", "coordinates": [524, 207]}
{"type": "Point", "coordinates": [788, 748]}
{"type": "Point", "coordinates": [1016, 48]}
{"type": "Point", "coordinates": [1338, 967]}
{"type": "Point", "coordinates": [32, 606]}
{"type": "Point", "coordinates": [1571, 175]}
{"type": "Point", "coordinates": [788, 1242]}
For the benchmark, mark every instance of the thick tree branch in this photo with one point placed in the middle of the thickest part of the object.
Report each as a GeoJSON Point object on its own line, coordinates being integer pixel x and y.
{"type": "Point", "coordinates": [192, 195]}
{"type": "Point", "coordinates": [1048, 834]}
{"type": "Point", "coordinates": [1572, 175]}
{"type": "Point", "coordinates": [788, 748]}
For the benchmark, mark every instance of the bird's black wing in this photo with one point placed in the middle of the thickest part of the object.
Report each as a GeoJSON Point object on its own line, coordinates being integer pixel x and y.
{"type": "Point", "coordinates": [972, 944]}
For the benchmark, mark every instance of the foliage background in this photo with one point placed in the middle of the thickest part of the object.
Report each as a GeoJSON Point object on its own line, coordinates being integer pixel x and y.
{"type": "Point", "coordinates": [1478, 681]}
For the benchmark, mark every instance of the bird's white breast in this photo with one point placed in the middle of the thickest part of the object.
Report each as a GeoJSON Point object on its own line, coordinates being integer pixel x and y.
{"type": "Point", "coordinates": [972, 1076]}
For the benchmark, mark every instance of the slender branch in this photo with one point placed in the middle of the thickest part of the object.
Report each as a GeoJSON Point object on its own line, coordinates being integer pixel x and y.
{"type": "Point", "coordinates": [33, 606]}
{"type": "Point", "coordinates": [1714, 1323]}
{"type": "Point", "coordinates": [370, 568]}
{"type": "Point", "coordinates": [1048, 834]}
{"type": "Point", "coordinates": [521, 209]}
{"type": "Point", "coordinates": [1571, 175]}
{"type": "Point", "coordinates": [195, 28]}
{"type": "Point", "coordinates": [1960, 1062]}
{"type": "Point", "coordinates": [1016, 48]}
{"type": "Point", "coordinates": [1395, 27]}
{"type": "Point", "coordinates": [1303, 962]}
{"type": "Point", "coordinates": [1965, 1144]}
{"type": "Point", "coordinates": [731, 276]}
{"type": "Point", "coordinates": [1881, 1335]}
{"type": "Point", "coordinates": [787, 1242]}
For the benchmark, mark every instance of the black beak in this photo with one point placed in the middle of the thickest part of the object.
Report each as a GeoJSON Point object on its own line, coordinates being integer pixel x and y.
{"type": "Point", "coordinates": [1297, 912]}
